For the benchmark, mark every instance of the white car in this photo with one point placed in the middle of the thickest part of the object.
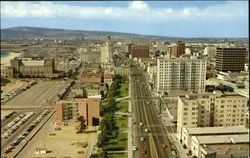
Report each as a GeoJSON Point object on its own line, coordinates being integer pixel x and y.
{"type": "Point", "coordinates": [135, 148]}
{"type": "Point", "coordinates": [142, 138]}
{"type": "Point", "coordinates": [141, 124]}
{"type": "Point", "coordinates": [146, 130]}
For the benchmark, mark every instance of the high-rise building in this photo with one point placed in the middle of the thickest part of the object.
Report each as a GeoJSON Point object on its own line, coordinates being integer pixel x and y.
{"type": "Point", "coordinates": [230, 59]}
{"type": "Point", "coordinates": [181, 74]}
{"type": "Point", "coordinates": [178, 49]}
{"type": "Point", "coordinates": [107, 51]}
{"type": "Point", "coordinates": [211, 109]}
{"type": "Point", "coordinates": [140, 51]}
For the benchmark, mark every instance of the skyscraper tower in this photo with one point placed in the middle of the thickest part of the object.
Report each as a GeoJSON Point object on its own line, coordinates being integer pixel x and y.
{"type": "Point", "coordinates": [107, 51]}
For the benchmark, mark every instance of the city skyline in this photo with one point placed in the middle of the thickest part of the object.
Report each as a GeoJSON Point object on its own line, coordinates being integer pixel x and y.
{"type": "Point", "coordinates": [168, 18]}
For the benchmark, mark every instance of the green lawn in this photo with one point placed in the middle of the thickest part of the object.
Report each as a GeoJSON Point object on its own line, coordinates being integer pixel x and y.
{"type": "Point", "coordinates": [124, 90]}
{"type": "Point", "coordinates": [119, 155]}
{"type": "Point", "coordinates": [118, 144]}
{"type": "Point", "coordinates": [122, 122]}
{"type": "Point", "coordinates": [122, 106]}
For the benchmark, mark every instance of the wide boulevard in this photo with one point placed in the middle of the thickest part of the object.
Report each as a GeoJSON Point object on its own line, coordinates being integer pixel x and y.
{"type": "Point", "coordinates": [144, 111]}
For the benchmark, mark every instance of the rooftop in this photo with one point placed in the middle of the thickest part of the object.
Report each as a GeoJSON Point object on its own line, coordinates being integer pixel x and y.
{"type": "Point", "coordinates": [217, 130]}
{"type": "Point", "coordinates": [33, 63]}
{"type": "Point", "coordinates": [223, 139]}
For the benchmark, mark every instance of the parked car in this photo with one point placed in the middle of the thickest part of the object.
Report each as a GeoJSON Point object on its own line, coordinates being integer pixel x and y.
{"type": "Point", "coordinates": [7, 151]}
{"type": "Point", "coordinates": [146, 130]}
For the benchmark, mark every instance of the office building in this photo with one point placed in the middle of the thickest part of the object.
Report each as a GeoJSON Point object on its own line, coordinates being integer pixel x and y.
{"type": "Point", "coordinates": [140, 51]}
{"type": "Point", "coordinates": [230, 59]}
{"type": "Point", "coordinates": [107, 51]}
{"type": "Point", "coordinates": [181, 74]}
{"type": "Point", "coordinates": [178, 49]}
{"type": "Point", "coordinates": [211, 109]}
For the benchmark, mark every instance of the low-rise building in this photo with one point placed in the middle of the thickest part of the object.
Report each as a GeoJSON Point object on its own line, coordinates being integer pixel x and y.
{"type": "Point", "coordinates": [108, 79]}
{"type": "Point", "coordinates": [188, 133]}
{"type": "Point", "coordinates": [68, 111]}
{"type": "Point", "coordinates": [122, 70]}
{"type": "Point", "coordinates": [222, 146]}
{"type": "Point", "coordinates": [91, 78]}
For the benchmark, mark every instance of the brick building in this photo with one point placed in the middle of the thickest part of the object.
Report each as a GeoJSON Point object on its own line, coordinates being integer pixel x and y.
{"type": "Point", "coordinates": [178, 49]}
{"type": "Point", "coordinates": [140, 51]}
{"type": "Point", "coordinates": [91, 78]}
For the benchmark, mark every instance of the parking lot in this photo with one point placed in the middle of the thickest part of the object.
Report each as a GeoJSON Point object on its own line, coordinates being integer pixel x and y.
{"type": "Point", "coordinates": [25, 123]}
{"type": "Point", "coordinates": [41, 95]}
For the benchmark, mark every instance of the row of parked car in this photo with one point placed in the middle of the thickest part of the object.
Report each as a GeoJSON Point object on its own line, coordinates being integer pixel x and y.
{"type": "Point", "coordinates": [7, 116]}
{"type": "Point", "coordinates": [26, 132]}
{"type": "Point", "coordinates": [13, 93]}
{"type": "Point", "coordinates": [15, 124]}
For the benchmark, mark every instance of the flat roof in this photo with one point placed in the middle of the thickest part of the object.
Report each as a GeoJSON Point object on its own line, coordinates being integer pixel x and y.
{"type": "Point", "coordinates": [33, 62]}
{"type": "Point", "coordinates": [217, 130]}
{"type": "Point", "coordinates": [223, 139]}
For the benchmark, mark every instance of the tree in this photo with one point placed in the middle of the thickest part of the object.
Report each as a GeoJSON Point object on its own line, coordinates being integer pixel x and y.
{"type": "Point", "coordinates": [84, 93]}
{"type": "Point", "coordinates": [82, 125]}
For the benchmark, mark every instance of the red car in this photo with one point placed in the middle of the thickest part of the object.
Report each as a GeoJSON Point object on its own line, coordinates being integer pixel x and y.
{"type": "Point", "coordinates": [143, 151]}
{"type": "Point", "coordinates": [164, 145]}
{"type": "Point", "coordinates": [8, 151]}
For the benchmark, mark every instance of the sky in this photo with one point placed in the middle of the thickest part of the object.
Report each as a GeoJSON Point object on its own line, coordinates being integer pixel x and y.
{"type": "Point", "coordinates": [164, 18]}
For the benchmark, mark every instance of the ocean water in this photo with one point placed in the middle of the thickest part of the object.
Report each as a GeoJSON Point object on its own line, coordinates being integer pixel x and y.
{"type": "Point", "coordinates": [4, 54]}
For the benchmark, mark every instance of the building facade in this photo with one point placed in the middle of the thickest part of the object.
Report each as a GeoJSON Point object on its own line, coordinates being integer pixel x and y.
{"type": "Point", "coordinates": [181, 74]}
{"type": "Point", "coordinates": [230, 59]}
{"type": "Point", "coordinates": [211, 109]}
{"type": "Point", "coordinates": [30, 68]}
{"type": "Point", "coordinates": [107, 51]}
{"type": "Point", "coordinates": [178, 49]}
{"type": "Point", "coordinates": [67, 112]}
{"type": "Point", "coordinates": [140, 51]}
{"type": "Point", "coordinates": [91, 78]}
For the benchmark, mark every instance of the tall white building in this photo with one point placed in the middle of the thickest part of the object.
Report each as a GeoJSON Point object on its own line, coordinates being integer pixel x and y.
{"type": "Point", "coordinates": [181, 74]}
{"type": "Point", "coordinates": [107, 51]}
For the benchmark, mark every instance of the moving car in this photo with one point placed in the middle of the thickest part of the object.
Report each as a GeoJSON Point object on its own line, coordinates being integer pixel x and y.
{"type": "Point", "coordinates": [135, 148]}
{"type": "Point", "coordinates": [164, 145]}
{"type": "Point", "coordinates": [142, 138]}
{"type": "Point", "coordinates": [143, 151]}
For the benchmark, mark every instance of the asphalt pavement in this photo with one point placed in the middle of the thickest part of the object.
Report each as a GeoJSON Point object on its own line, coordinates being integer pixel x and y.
{"type": "Point", "coordinates": [144, 111]}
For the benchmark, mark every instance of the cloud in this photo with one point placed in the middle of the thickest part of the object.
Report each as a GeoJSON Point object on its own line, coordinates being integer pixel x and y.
{"type": "Point", "coordinates": [138, 5]}
{"type": "Point", "coordinates": [136, 10]}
